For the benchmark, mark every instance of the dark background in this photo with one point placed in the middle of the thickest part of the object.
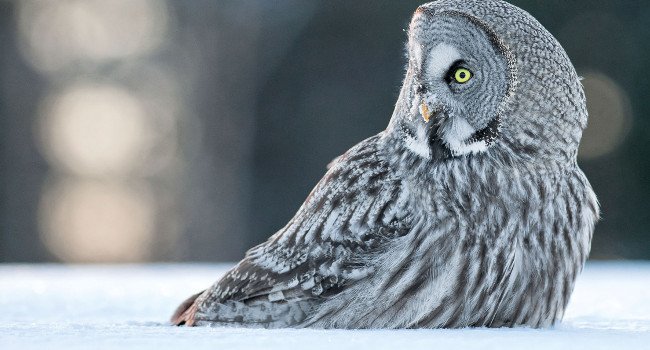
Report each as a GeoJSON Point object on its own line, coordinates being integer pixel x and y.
{"type": "Point", "coordinates": [191, 130]}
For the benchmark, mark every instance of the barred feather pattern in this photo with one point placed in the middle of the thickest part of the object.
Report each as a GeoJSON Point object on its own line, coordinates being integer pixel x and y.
{"type": "Point", "coordinates": [487, 248]}
{"type": "Point", "coordinates": [353, 212]}
{"type": "Point", "coordinates": [405, 232]}
{"type": "Point", "coordinates": [470, 246]}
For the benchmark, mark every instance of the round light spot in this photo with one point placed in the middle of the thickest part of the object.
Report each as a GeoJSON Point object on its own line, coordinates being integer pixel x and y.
{"type": "Point", "coordinates": [56, 34]}
{"type": "Point", "coordinates": [610, 116]}
{"type": "Point", "coordinates": [91, 221]}
{"type": "Point", "coordinates": [95, 130]}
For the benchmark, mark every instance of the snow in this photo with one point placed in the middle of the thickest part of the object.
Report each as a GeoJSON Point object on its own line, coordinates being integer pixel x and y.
{"type": "Point", "coordinates": [127, 307]}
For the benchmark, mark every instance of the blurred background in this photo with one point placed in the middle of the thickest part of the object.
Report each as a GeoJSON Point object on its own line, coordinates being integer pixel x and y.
{"type": "Point", "coordinates": [149, 130]}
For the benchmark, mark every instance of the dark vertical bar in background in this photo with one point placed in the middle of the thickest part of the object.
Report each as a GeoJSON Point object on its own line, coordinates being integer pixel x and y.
{"type": "Point", "coordinates": [5, 17]}
{"type": "Point", "coordinates": [22, 169]}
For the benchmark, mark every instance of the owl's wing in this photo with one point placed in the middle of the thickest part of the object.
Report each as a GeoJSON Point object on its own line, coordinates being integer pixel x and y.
{"type": "Point", "coordinates": [354, 209]}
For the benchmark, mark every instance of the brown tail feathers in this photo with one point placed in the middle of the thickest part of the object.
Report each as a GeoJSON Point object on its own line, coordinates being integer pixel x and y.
{"type": "Point", "coordinates": [184, 314]}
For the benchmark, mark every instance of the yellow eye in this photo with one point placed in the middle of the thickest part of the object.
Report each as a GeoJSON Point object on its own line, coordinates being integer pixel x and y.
{"type": "Point", "coordinates": [462, 75]}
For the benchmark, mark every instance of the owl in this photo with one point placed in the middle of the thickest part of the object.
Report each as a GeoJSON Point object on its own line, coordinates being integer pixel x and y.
{"type": "Point", "coordinates": [469, 210]}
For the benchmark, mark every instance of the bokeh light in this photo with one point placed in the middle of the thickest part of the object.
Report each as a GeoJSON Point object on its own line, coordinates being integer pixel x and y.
{"type": "Point", "coordinates": [95, 221]}
{"type": "Point", "coordinates": [610, 116]}
{"type": "Point", "coordinates": [95, 130]}
{"type": "Point", "coordinates": [59, 34]}
{"type": "Point", "coordinates": [107, 126]}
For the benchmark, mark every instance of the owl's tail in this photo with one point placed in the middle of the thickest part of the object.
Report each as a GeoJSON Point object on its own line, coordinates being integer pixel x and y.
{"type": "Point", "coordinates": [184, 314]}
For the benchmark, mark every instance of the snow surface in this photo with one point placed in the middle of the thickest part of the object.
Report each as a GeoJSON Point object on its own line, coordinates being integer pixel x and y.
{"type": "Point", "coordinates": [127, 307]}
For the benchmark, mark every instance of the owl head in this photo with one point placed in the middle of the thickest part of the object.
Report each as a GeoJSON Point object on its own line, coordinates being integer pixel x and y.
{"type": "Point", "coordinates": [485, 79]}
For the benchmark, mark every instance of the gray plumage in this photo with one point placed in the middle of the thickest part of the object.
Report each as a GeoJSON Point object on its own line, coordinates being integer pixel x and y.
{"type": "Point", "coordinates": [468, 210]}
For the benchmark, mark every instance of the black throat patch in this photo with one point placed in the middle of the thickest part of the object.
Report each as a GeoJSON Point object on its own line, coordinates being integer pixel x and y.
{"type": "Point", "coordinates": [489, 134]}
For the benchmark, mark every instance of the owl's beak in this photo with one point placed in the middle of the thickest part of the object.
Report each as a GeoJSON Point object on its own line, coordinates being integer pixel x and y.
{"type": "Point", "coordinates": [425, 112]}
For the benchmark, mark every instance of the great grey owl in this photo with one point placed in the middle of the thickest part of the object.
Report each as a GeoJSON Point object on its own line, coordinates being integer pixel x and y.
{"type": "Point", "coordinates": [469, 210]}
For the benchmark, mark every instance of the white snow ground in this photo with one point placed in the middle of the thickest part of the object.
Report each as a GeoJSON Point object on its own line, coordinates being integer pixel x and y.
{"type": "Point", "coordinates": [126, 307]}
